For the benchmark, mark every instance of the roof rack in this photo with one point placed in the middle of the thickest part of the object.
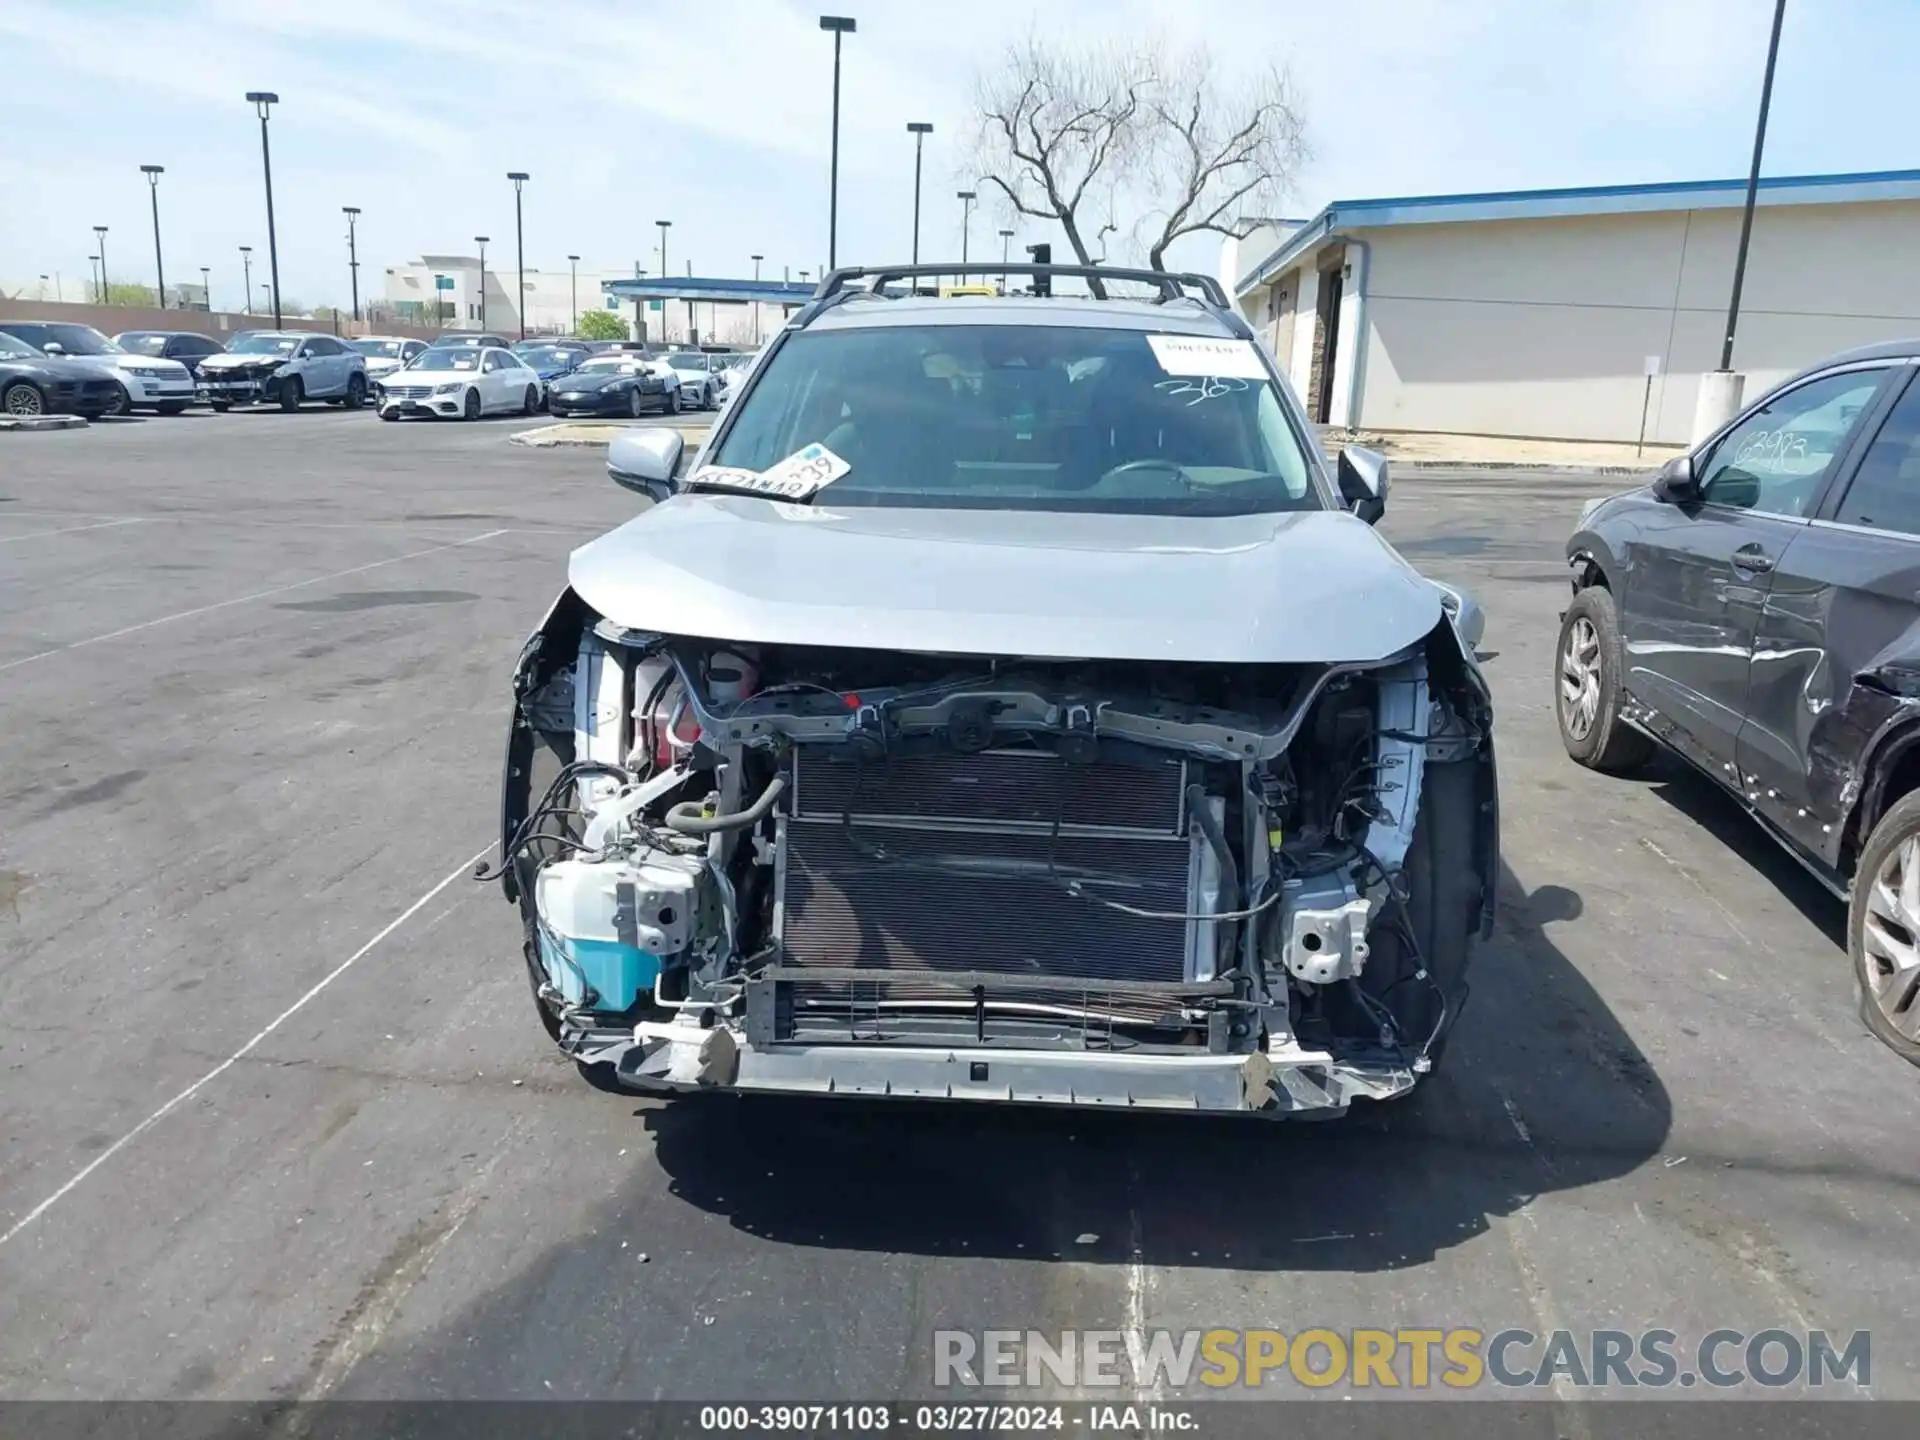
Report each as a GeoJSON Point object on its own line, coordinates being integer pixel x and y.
{"type": "Point", "coordinates": [1172, 285]}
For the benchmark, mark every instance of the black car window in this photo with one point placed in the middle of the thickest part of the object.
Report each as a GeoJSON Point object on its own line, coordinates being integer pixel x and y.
{"type": "Point", "coordinates": [1885, 492]}
{"type": "Point", "coordinates": [323, 346]}
{"type": "Point", "coordinates": [1775, 460]}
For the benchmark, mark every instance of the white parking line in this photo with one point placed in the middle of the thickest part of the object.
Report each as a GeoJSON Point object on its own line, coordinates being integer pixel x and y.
{"type": "Point", "coordinates": [243, 599]}
{"type": "Point", "coordinates": [65, 530]}
{"type": "Point", "coordinates": [465, 868]}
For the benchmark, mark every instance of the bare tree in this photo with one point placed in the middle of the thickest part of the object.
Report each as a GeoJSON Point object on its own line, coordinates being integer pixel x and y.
{"type": "Point", "coordinates": [1069, 134]}
{"type": "Point", "coordinates": [1218, 155]}
{"type": "Point", "coordinates": [1057, 125]}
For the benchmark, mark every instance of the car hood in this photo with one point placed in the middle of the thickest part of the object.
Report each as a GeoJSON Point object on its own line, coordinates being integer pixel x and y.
{"type": "Point", "coordinates": [52, 367]}
{"type": "Point", "coordinates": [231, 361]}
{"type": "Point", "coordinates": [1318, 586]}
{"type": "Point", "coordinates": [589, 380]}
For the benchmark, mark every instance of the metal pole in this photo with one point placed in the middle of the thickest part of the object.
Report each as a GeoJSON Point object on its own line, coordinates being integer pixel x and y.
{"type": "Point", "coordinates": [519, 178]}
{"type": "Point", "coordinates": [840, 25]}
{"type": "Point", "coordinates": [1646, 400]}
{"type": "Point", "coordinates": [573, 293]}
{"type": "Point", "coordinates": [106, 292]}
{"type": "Point", "coordinates": [756, 302]}
{"type": "Point", "coordinates": [966, 198]}
{"type": "Point", "coordinates": [153, 174]}
{"type": "Point", "coordinates": [206, 287]}
{"type": "Point", "coordinates": [1753, 186]}
{"type": "Point", "coordinates": [920, 129]}
{"type": "Point", "coordinates": [481, 240]}
{"type": "Point", "coordinates": [664, 275]}
{"type": "Point", "coordinates": [246, 277]}
{"type": "Point", "coordinates": [263, 101]}
{"type": "Point", "coordinates": [93, 278]}
{"type": "Point", "coordinates": [352, 213]}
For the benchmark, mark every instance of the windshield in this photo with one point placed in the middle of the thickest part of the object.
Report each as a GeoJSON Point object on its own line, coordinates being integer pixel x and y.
{"type": "Point", "coordinates": [380, 349]}
{"type": "Point", "coordinates": [81, 340]}
{"type": "Point", "coordinates": [617, 364]}
{"type": "Point", "coordinates": [15, 349]}
{"type": "Point", "coordinates": [687, 362]}
{"type": "Point", "coordinates": [463, 357]}
{"type": "Point", "coordinates": [1029, 418]}
{"type": "Point", "coordinates": [265, 345]}
{"type": "Point", "coordinates": [136, 342]}
{"type": "Point", "coordinates": [546, 354]}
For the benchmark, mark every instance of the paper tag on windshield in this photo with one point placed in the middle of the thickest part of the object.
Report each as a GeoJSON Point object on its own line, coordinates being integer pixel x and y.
{"type": "Point", "coordinates": [1206, 355]}
{"type": "Point", "coordinates": [801, 474]}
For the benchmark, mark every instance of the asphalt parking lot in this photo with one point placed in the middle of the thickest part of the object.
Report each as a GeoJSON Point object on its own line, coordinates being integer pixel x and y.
{"type": "Point", "coordinates": [276, 1117]}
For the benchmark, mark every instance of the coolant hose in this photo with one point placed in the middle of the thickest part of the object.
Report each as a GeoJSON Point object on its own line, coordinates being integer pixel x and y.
{"type": "Point", "coordinates": [686, 817]}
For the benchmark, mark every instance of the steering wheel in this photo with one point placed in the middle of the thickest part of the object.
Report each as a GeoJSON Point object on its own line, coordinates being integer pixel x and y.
{"type": "Point", "coordinates": [1152, 464]}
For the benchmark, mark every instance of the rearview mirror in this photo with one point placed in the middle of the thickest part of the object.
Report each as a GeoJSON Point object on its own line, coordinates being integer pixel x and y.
{"type": "Point", "coordinates": [1363, 482]}
{"type": "Point", "coordinates": [1676, 483]}
{"type": "Point", "coordinates": [645, 461]}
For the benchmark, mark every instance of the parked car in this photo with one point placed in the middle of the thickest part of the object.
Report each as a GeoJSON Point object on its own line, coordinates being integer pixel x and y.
{"type": "Point", "coordinates": [145, 383]}
{"type": "Point", "coordinates": [288, 366]}
{"type": "Point", "coordinates": [550, 359]}
{"type": "Point", "coordinates": [1015, 706]}
{"type": "Point", "coordinates": [700, 384]}
{"type": "Point", "coordinates": [187, 346]}
{"type": "Point", "coordinates": [33, 384]}
{"type": "Point", "coordinates": [461, 381]}
{"type": "Point", "coordinates": [616, 384]}
{"type": "Point", "coordinates": [385, 354]}
{"type": "Point", "coordinates": [471, 337]}
{"type": "Point", "coordinates": [1756, 611]}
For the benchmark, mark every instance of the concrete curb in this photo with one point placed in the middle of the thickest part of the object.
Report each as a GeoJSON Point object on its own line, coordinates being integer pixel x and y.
{"type": "Point", "coordinates": [590, 433]}
{"type": "Point", "coordinates": [43, 422]}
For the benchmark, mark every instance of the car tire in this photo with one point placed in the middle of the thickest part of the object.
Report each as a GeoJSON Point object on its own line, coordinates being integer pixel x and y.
{"type": "Point", "coordinates": [634, 404]}
{"type": "Point", "coordinates": [1883, 929]}
{"type": "Point", "coordinates": [531, 404]}
{"type": "Point", "coordinates": [672, 407]}
{"type": "Point", "coordinates": [173, 407]}
{"type": "Point", "coordinates": [707, 399]}
{"type": "Point", "coordinates": [292, 392]}
{"type": "Point", "coordinates": [220, 407]}
{"type": "Point", "coordinates": [356, 391]}
{"type": "Point", "coordinates": [22, 400]}
{"type": "Point", "coordinates": [123, 405]}
{"type": "Point", "coordinates": [470, 408]}
{"type": "Point", "coordinates": [1587, 694]}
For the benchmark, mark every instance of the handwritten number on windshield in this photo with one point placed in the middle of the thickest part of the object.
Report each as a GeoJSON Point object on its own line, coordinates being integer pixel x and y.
{"type": "Point", "coordinates": [1201, 387]}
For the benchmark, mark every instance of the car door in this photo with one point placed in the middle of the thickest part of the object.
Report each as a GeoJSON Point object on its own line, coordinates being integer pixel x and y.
{"type": "Point", "coordinates": [1698, 573]}
{"type": "Point", "coordinates": [1839, 629]}
{"type": "Point", "coordinates": [496, 376]}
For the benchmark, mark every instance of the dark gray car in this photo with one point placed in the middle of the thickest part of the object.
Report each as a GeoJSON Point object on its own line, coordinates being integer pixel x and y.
{"type": "Point", "coordinates": [1756, 609]}
{"type": "Point", "coordinates": [1011, 704]}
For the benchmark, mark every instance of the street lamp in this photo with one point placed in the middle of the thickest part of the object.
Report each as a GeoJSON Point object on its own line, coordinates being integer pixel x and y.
{"type": "Point", "coordinates": [93, 274]}
{"type": "Point", "coordinates": [352, 212]}
{"type": "Point", "coordinates": [263, 101]}
{"type": "Point", "coordinates": [153, 174]}
{"type": "Point", "coordinates": [573, 279]}
{"type": "Point", "coordinates": [1006, 243]}
{"type": "Point", "coordinates": [919, 129]}
{"type": "Point", "coordinates": [664, 225]}
{"type": "Point", "coordinates": [481, 241]}
{"type": "Point", "coordinates": [100, 232]}
{"type": "Point", "coordinates": [206, 288]}
{"type": "Point", "coordinates": [756, 302]}
{"type": "Point", "coordinates": [840, 25]}
{"type": "Point", "coordinates": [1753, 185]}
{"type": "Point", "coordinates": [519, 178]}
{"type": "Point", "coordinates": [966, 199]}
{"type": "Point", "coordinates": [246, 277]}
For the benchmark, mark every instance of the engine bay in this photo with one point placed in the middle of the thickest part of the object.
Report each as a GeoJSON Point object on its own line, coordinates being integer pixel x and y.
{"type": "Point", "coordinates": [720, 847]}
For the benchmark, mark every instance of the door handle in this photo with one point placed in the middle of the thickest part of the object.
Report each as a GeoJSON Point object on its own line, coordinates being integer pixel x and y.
{"type": "Point", "coordinates": [1752, 558]}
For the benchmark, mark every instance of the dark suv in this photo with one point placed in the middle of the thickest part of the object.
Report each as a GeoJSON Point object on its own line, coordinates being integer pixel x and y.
{"type": "Point", "coordinates": [1756, 609]}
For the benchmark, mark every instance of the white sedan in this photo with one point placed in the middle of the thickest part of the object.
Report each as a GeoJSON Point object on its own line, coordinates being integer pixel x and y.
{"type": "Point", "coordinates": [462, 382]}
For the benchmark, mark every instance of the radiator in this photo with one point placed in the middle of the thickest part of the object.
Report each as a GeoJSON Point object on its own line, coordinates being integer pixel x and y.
{"type": "Point", "coordinates": [858, 885]}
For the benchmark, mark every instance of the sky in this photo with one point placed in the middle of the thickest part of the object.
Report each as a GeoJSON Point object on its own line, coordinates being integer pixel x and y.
{"type": "Point", "coordinates": [716, 116]}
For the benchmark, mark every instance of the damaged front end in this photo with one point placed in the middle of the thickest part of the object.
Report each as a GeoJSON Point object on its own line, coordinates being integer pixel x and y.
{"type": "Point", "coordinates": [1129, 884]}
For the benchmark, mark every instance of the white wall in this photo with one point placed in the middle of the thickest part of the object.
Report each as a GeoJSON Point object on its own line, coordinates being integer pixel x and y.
{"type": "Point", "coordinates": [1542, 327]}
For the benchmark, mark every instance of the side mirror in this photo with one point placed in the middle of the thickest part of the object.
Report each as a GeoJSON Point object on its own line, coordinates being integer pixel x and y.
{"type": "Point", "coordinates": [645, 461]}
{"type": "Point", "coordinates": [1363, 482]}
{"type": "Point", "coordinates": [53, 347]}
{"type": "Point", "coordinates": [1676, 483]}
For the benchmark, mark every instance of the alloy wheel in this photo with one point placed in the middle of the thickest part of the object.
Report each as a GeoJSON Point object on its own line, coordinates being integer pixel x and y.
{"type": "Point", "coordinates": [1580, 678]}
{"type": "Point", "coordinates": [23, 399]}
{"type": "Point", "coordinates": [1891, 938]}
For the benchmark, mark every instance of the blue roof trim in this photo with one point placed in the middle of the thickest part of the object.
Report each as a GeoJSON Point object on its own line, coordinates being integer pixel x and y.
{"type": "Point", "coordinates": [1577, 200]}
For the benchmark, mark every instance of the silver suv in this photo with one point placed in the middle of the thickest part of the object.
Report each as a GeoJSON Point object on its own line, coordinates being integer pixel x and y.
{"type": "Point", "coordinates": [288, 366]}
{"type": "Point", "coordinates": [1010, 703]}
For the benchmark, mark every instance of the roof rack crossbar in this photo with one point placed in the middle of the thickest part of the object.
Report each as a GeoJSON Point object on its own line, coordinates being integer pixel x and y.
{"type": "Point", "coordinates": [1172, 284]}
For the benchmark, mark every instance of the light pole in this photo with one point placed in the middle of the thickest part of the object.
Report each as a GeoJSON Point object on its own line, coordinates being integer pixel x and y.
{"type": "Point", "coordinates": [966, 199]}
{"type": "Point", "coordinates": [1753, 185]}
{"type": "Point", "coordinates": [664, 225]}
{"type": "Point", "coordinates": [519, 178]}
{"type": "Point", "coordinates": [756, 302]}
{"type": "Point", "coordinates": [1006, 244]}
{"type": "Point", "coordinates": [919, 129]}
{"type": "Point", "coordinates": [840, 25]}
{"type": "Point", "coordinates": [639, 309]}
{"type": "Point", "coordinates": [153, 174]}
{"type": "Point", "coordinates": [246, 277]}
{"type": "Point", "coordinates": [573, 287]}
{"type": "Point", "coordinates": [206, 288]}
{"type": "Point", "coordinates": [352, 212]}
{"type": "Point", "coordinates": [481, 241]}
{"type": "Point", "coordinates": [263, 101]}
{"type": "Point", "coordinates": [93, 274]}
{"type": "Point", "coordinates": [267, 290]}
{"type": "Point", "coordinates": [100, 233]}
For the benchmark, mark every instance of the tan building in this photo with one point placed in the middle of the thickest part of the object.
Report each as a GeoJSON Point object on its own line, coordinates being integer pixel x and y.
{"type": "Point", "coordinates": [1561, 313]}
